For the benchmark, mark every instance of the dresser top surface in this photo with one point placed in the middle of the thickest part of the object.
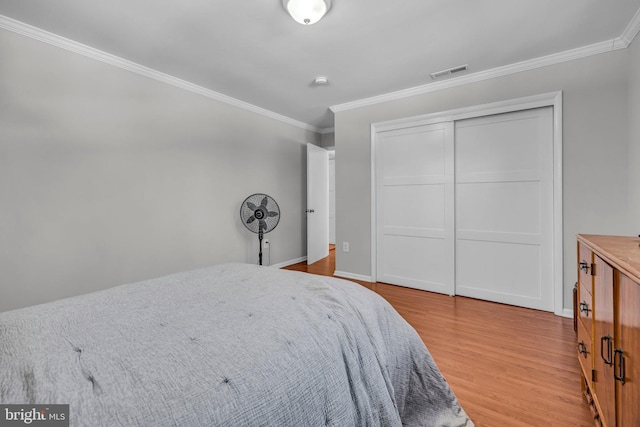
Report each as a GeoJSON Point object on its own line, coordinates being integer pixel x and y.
{"type": "Point", "coordinates": [621, 251]}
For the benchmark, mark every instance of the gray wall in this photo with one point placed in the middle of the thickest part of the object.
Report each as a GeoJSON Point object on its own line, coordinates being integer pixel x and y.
{"type": "Point", "coordinates": [595, 148]}
{"type": "Point", "coordinates": [107, 177]}
{"type": "Point", "coordinates": [328, 140]}
{"type": "Point", "coordinates": [634, 138]}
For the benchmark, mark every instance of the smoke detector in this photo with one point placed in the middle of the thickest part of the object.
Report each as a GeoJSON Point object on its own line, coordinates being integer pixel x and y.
{"type": "Point", "coordinates": [321, 81]}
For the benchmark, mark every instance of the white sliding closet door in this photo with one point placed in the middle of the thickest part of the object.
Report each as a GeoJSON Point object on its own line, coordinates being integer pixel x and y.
{"type": "Point", "coordinates": [414, 207]}
{"type": "Point", "coordinates": [504, 208]}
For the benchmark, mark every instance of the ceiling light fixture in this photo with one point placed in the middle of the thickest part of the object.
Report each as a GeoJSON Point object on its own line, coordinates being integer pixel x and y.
{"type": "Point", "coordinates": [307, 12]}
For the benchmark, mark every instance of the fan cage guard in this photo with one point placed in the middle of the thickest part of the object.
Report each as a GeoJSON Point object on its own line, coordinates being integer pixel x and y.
{"type": "Point", "coordinates": [260, 214]}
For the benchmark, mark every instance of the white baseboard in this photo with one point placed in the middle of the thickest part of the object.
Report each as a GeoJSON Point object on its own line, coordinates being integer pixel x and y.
{"type": "Point", "coordinates": [567, 312]}
{"type": "Point", "coordinates": [353, 276]}
{"type": "Point", "coordinates": [288, 263]}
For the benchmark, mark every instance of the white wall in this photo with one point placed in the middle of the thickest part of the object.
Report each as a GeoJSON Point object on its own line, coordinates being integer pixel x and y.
{"type": "Point", "coordinates": [328, 140]}
{"type": "Point", "coordinates": [595, 182]}
{"type": "Point", "coordinates": [107, 177]}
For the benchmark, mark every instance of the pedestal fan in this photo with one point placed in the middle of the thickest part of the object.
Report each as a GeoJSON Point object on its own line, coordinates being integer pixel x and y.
{"type": "Point", "coordinates": [260, 214]}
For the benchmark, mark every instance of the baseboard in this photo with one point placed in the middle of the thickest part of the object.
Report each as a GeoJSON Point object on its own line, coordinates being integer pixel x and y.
{"type": "Point", "coordinates": [288, 263]}
{"type": "Point", "coordinates": [352, 276]}
{"type": "Point", "coordinates": [567, 312]}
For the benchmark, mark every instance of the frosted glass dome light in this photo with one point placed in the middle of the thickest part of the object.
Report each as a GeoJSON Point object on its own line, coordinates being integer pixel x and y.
{"type": "Point", "coordinates": [307, 12]}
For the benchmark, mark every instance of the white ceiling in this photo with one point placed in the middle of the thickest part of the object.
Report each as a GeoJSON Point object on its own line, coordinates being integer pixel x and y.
{"type": "Point", "coordinates": [254, 52]}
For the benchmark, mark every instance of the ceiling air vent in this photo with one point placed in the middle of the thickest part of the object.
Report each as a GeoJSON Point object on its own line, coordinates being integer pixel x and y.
{"type": "Point", "coordinates": [449, 71]}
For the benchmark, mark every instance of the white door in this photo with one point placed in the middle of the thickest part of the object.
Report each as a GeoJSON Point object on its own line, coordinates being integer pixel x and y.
{"type": "Point", "coordinates": [504, 208]}
{"type": "Point", "coordinates": [317, 203]}
{"type": "Point", "coordinates": [414, 207]}
{"type": "Point", "coordinates": [332, 197]}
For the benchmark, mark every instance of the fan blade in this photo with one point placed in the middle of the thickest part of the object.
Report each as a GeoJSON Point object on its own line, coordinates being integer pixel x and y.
{"type": "Point", "coordinates": [251, 219]}
{"type": "Point", "coordinates": [271, 214]}
{"type": "Point", "coordinates": [251, 206]}
{"type": "Point", "coordinates": [264, 201]}
{"type": "Point", "coordinates": [263, 224]}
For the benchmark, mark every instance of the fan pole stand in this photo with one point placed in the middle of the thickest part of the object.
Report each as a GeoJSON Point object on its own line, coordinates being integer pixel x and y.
{"type": "Point", "coordinates": [260, 236]}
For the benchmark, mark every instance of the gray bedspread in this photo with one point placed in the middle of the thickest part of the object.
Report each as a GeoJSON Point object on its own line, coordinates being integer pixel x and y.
{"type": "Point", "coordinates": [229, 345]}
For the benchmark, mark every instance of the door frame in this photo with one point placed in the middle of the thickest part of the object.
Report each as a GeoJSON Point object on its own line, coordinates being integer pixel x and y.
{"type": "Point", "coordinates": [550, 99]}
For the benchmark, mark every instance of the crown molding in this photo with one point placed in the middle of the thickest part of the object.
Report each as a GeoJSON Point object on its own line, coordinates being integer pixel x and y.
{"type": "Point", "coordinates": [556, 58]}
{"type": "Point", "coordinates": [107, 58]}
{"type": "Point", "coordinates": [632, 30]}
{"type": "Point", "coordinates": [621, 42]}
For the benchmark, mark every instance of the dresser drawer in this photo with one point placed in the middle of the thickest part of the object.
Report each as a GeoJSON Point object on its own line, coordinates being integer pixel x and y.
{"type": "Point", "coordinates": [585, 307]}
{"type": "Point", "coordinates": [585, 352]}
{"type": "Point", "coordinates": [585, 264]}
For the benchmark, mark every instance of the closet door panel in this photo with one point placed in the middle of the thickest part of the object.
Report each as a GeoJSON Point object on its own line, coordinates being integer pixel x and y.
{"type": "Point", "coordinates": [519, 201]}
{"type": "Point", "coordinates": [420, 266]}
{"type": "Point", "coordinates": [423, 214]}
{"type": "Point", "coordinates": [414, 207]}
{"type": "Point", "coordinates": [413, 152]}
{"type": "Point", "coordinates": [504, 208]}
{"type": "Point", "coordinates": [487, 270]}
{"type": "Point", "coordinates": [500, 143]}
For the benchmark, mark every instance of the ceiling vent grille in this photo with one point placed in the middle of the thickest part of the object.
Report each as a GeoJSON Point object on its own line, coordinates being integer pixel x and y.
{"type": "Point", "coordinates": [449, 71]}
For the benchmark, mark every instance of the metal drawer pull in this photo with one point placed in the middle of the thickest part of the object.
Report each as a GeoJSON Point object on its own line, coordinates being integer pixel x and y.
{"type": "Point", "coordinates": [582, 349]}
{"type": "Point", "coordinates": [584, 266]}
{"type": "Point", "coordinates": [584, 308]}
{"type": "Point", "coordinates": [606, 360]}
{"type": "Point", "coordinates": [618, 365]}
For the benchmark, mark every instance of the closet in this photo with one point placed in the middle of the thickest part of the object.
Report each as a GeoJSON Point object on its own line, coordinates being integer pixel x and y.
{"type": "Point", "coordinates": [465, 206]}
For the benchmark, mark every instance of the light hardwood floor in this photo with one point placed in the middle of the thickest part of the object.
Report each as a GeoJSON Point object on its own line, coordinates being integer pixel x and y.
{"type": "Point", "coordinates": [508, 366]}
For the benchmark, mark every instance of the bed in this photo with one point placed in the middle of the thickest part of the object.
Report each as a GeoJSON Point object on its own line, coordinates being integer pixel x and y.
{"type": "Point", "coordinates": [228, 345]}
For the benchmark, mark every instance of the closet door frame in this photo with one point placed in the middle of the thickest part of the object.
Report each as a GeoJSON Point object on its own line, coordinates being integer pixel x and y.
{"type": "Point", "coordinates": [551, 99]}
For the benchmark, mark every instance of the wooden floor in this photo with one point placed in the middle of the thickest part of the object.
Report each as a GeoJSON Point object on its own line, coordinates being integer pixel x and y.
{"type": "Point", "coordinates": [508, 366]}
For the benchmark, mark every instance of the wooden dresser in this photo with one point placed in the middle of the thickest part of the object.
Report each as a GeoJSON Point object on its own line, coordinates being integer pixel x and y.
{"type": "Point", "coordinates": [609, 327]}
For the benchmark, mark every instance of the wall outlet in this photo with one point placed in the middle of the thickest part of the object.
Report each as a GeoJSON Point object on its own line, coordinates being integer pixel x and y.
{"type": "Point", "coordinates": [265, 243]}
{"type": "Point", "coordinates": [345, 246]}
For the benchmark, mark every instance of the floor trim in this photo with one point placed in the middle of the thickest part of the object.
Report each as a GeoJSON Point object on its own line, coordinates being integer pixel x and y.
{"type": "Point", "coordinates": [288, 263]}
{"type": "Point", "coordinates": [353, 276]}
